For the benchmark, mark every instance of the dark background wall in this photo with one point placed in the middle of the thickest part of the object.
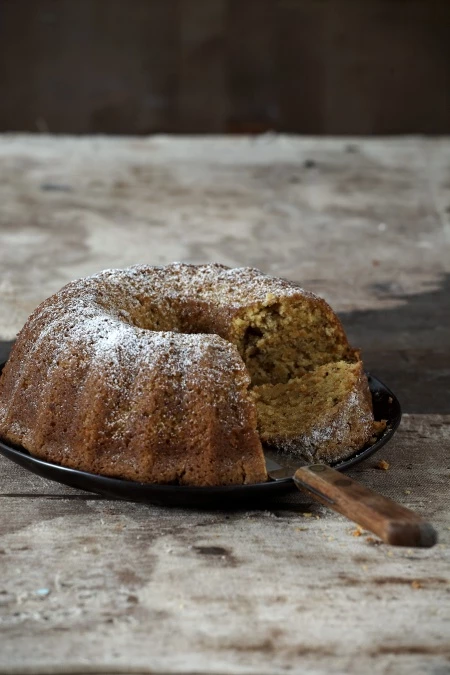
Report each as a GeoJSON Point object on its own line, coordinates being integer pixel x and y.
{"type": "Point", "coordinates": [307, 66]}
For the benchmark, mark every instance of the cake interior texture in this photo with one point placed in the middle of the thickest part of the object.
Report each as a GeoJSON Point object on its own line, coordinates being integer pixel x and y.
{"type": "Point", "coordinates": [321, 409]}
{"type": "Point", "coordinates": [286, 339]}
{"type": "Point", "coordinates": [177, 374]}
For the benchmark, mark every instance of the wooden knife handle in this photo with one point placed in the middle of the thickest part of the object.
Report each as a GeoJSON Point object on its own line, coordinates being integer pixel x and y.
{"type": "Point", "coordinates": [394, 524]}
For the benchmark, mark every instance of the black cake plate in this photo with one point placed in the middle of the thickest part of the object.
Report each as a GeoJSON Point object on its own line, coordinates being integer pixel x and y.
{"type": "Point", "coordinates": [385, 405]}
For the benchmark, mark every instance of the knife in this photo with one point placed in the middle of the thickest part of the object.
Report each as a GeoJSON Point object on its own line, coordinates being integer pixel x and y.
{"type": "Point", "coordinates": [392, 523]}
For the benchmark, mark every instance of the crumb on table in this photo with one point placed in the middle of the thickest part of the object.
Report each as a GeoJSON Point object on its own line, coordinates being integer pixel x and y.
{"type": "Point", "coordinates": [358, 531]}
{"type": "Point", "coordinates": [373, 541]}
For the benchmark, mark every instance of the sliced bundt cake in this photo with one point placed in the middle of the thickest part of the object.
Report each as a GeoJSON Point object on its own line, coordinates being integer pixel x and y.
{"type": "Point", "coordinates": [176, 374]}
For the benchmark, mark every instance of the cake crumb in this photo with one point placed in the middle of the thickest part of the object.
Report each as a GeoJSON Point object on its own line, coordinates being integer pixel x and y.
{"type": "Point", "coordinates": [357, 532]}
{"type": "Point", "coordinates": [373, 541]}
{"type": "Point", "coordinates": [379, 426]}
{"type": "Point", "coordinates": [383, 465]}
{"type": "Point", "coordinates": [307, 514]}
{"type": "Point", "coordinates": [416, 584]}
{"type": "Point", "coordinates": [407, 492]}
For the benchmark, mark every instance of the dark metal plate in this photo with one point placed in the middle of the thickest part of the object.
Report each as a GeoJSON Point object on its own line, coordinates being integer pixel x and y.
{"type": "Point", "coordinates": [385, 404]}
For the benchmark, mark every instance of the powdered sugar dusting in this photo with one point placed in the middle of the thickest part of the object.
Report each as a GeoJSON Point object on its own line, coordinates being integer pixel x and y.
{"type": "Point", "coordinates": [212, 282]}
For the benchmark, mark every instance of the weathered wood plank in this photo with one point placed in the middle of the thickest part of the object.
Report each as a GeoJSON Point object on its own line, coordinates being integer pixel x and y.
{"type": "Point", "coordinates": [376, 66]}
{"type": "Point", "coordinates": [253, 85]}
{"type": "Point", "coordinates": [202, 94]}
{"type": "Point", "coordinates": [68, 69]}
{"type": "Point", "coordinates": [128, 586]}
{"type": "Point", "coordinates": [362, 222]}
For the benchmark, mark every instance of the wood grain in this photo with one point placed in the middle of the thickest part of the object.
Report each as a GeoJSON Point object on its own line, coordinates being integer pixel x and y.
{"type": "Point", "coordinates": [118, 573]}
{"type": "Point", "coordinates": [202, 93]}
{"type": "Point", "coordinates": [93, 585]}
{"type": "Point", "coordinates": [210, 66]}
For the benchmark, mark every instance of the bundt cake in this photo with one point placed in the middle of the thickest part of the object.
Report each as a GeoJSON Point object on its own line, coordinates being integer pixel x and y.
{"type": "Point", "coordinates": [176, 374]}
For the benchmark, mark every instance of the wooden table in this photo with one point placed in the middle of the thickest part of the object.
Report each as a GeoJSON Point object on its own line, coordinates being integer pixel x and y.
{"type": "Point", "coordinates": [99, 586]}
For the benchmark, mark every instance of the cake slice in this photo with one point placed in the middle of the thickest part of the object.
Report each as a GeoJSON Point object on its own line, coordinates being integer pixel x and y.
{"type": "Point", "coordinates": [325, 415]}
